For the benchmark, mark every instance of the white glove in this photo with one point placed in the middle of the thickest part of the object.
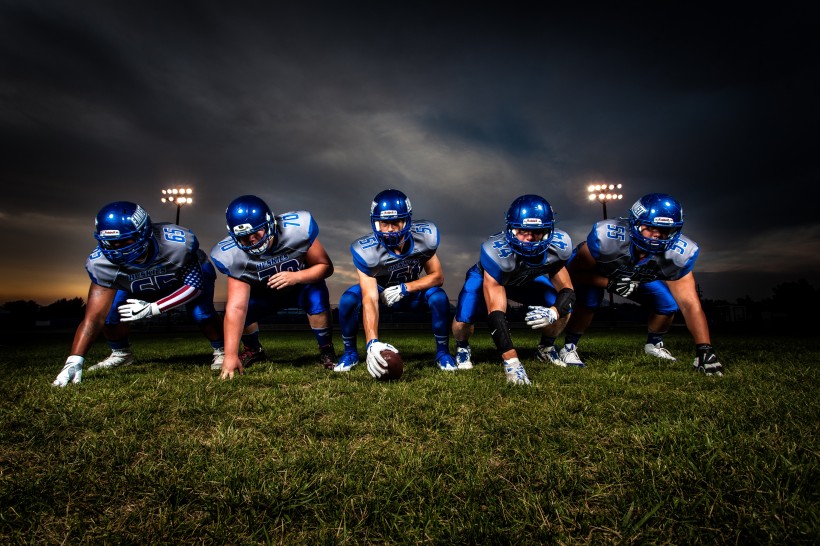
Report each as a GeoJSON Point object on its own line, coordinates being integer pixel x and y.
{"type": "Point", "coordinates": [137, 309]}
{"type": "Point", "coordinates": [537, 317]}
{"type": "Point", "coordinates": [376, 364]}
{"type": "Point", "coordinates": [623, 286]}
{"type": "Point", "coordinates": [72, 371]}
{"type": "Point", "coordinates": [393, 295]}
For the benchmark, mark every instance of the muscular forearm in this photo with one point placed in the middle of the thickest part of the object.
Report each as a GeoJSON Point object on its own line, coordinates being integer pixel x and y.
{"type": "Point", "coordinates": [370, 319]}
{"type": "Point", "coordinates": [85, 335]}
{"type": "Point", "coordinates": [425, 282]}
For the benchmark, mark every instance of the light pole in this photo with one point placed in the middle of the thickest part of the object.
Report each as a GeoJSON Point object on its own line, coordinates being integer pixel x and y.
{"type": "Point", "coordinates": [178, 196]}
{"type": "Point", "coordinates": [604, 193]}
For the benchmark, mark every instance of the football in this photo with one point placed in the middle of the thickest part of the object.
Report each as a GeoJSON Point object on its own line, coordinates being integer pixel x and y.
{"type": "Point", "coordinates": [395, 365]}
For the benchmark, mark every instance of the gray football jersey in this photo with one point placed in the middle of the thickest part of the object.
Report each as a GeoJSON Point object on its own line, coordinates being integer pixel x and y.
{"type": "Point", "coordinates": [510, 269]}
{"type": "Point", "coordinates": [296, 232]}
{"type": "Point", "coordinates": [373, 259]}
{"type": "Point", "coordinates": [176, 249]}
{"type": "Point", "coordinates": [610, 244]}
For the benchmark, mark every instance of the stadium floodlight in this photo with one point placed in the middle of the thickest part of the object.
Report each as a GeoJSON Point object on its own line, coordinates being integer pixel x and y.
{"type": "Point", "coordinates": [604, 192]}
{"type": "Point", "coordinates": [178, 196]}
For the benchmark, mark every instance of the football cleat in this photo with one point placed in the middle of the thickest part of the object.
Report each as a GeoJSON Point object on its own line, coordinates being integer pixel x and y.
{"type": "Point", "coordinates": [118, 357]}
{"type": "Point", "coordinates": [549, 354]}
{"type": "Point", "coordinates": [248, 356]}
{"type": "Point", "coordinates": [659, 351]}
{"type": "Point", "coordinates": [515, 372]}
{"type": "Point", "coordinates": [446, 362]}
{"type": "Point", "coordinates": [327, 358]}
{"type": "Point", "coordinates": [347, 361]}
{"type": "Point", "coordinates": [569, 356]}
{"type": "Point", "coordinates": [219, 357]}
{"type": "Point", "coordinates": [464, 358]}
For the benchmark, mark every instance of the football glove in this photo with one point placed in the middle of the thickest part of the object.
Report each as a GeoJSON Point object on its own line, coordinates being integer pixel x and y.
{"type": "Point", "coordinates": [137, 310]}
{"type": "Point", "coordinates": [376, 364]}
{"type": "Point", "coordinates": [707, 361]}
{"type": "Point", "coordinates": [394, 294]}
{"type": "Point", "coordinates": [623, 286]}
{"type": "Point", "coordinates": [537, 317]}
{"type": "Point", "coordinates": [72, 371]}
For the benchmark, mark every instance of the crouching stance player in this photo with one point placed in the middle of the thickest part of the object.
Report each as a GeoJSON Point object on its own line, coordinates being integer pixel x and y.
{"type": "Point", "coordinates": [138, 271]}
{"type": "Point", "coordinates": [644, 258]}
{"type": "Point", "coordinates": [272, 262]}
{"type": "Point", "coordinates": [525, 263]}
{"type": "Point", "coordinates": [389, 262]}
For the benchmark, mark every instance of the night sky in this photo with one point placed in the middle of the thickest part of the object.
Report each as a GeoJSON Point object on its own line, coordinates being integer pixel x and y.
{"type": "Point", "coordinates": [462, 108]}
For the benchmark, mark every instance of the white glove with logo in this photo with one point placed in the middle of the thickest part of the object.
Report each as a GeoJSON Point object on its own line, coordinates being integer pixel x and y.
{"type": "Point", "coordinates": [623, 286]}
{"type": "Point", "coordinates": [393, 295]}
{"type": "Point", "coordinates": [376, 364]}
{"type": "Point", "coordinates": [72, 371]}
{"type": "Point", "coordinates": [137, 309]}
{"type": "Point", "coordinates": [537, 317]}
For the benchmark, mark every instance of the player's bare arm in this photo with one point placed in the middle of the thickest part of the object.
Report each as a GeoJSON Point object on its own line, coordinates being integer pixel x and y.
{"type": "Point", "coordinates": [684, 290]}
{"type": "Point", "coordinates": [236, 309]}
{"type": "Point", "coordinates": [434, 276]}
{"type": "Point", "coordinates": [370, 306]}
{"type": "Point", "coordinates": [582, 269]}
{"type": "Point", "coordinates": [319, 266]}
{"type": "Point", "coordinates": [496, 297]}
{"type": "Point", "coordinates": [99, 303]}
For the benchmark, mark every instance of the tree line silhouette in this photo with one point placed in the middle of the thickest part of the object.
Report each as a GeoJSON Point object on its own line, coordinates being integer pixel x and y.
{"type": "Point", "coordinates": [792, 306]}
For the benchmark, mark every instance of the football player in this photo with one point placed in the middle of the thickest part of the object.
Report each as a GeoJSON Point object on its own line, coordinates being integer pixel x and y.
{"type": "Point", "coordinates": [646, 259]}
{"type": "Point", "coordinates": [272, 262]}
{"type": "Point", "coordinates": [389, 262]}
{"type": "Point", "coordinates": [138, 271]}
{"type": "Point", "coordinates": [525, 263]}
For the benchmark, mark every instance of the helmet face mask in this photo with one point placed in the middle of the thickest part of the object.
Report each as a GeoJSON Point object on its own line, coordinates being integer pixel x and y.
{"type": "Point", "coordinates": [123, 232]}
{"type": "Point", "coordinates": [246, 216]}
{"type": "Point", "coordinates": [656, 212]}
{"type": "Point", "coordinates": [391, 206]}
{"type": "Point", "coordinates": [529, 213]}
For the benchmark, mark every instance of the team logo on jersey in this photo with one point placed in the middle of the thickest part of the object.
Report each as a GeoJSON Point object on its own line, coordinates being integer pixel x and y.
{"type": "Point", "coordinates": [663, 221]}
{"type": "Point", "coordinates": [531, 222]}
{"type": "Point", "coordinates": [638, 209]}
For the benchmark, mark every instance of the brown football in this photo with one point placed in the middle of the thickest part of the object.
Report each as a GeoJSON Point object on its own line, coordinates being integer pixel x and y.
{"type": "Point", "coordinates": [395, 365]}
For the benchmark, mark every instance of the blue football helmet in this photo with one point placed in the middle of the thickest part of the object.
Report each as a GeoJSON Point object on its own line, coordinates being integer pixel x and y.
{"type": "Point", "coordinates": [123, 232]}
{"type": "Point", "coordinates": [391, 205]}
{"type": "Point", "coordinates": [530, 212]}
{"type": "Point", "coordinates": [249, 214]}
{"type": "Point", "coordinates": [658, 210]}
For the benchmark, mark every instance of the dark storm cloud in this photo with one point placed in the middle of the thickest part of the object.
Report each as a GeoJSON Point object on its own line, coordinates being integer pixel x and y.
{"type": "Point", "coordinates": [320, 107]}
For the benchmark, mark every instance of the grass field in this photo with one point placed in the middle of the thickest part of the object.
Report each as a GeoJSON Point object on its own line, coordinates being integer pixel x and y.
{"type": "Point", "coordinates": [629, 450]}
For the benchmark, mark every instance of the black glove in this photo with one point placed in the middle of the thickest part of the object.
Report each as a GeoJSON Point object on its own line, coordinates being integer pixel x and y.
{"type": "Point", "coordinates": [707, 361]}
{"type": "Point", "coordinates": [623, 286]}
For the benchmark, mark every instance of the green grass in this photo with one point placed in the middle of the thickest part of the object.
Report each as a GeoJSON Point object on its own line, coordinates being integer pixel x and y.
{"type": "Point", "coordinates": [629, 450]}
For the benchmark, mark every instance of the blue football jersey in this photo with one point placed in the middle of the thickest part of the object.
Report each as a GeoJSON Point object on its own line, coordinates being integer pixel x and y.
{"type": "Point", "coordinates": [373, 259]}
{"type": "Point", "coordinates": [609, 243]}
{"type": "Point", "coordinates": [295, 231]}
{"type": "Point", "coordinates": [510, 269]}
{"type": "Point", "coordinates": [177, 258]}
